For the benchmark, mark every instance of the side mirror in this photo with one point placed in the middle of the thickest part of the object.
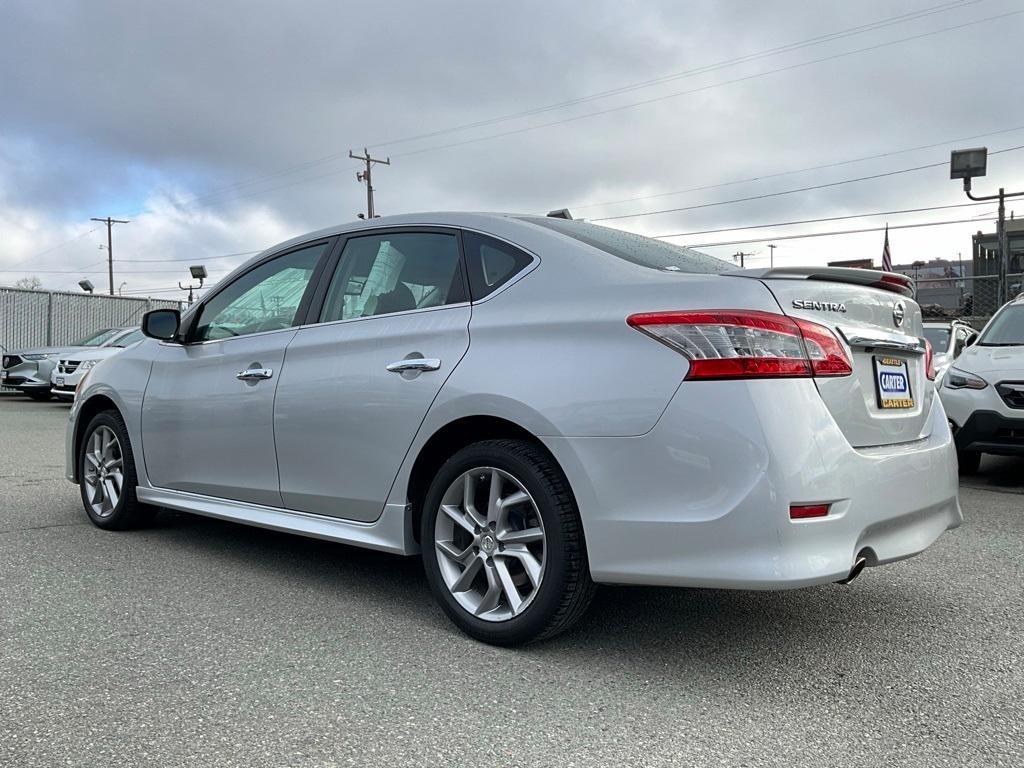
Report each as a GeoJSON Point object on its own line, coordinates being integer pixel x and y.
{"type": "Point", "coordinates": [971, 340]}
{"type": "Point", "coordinates": [161, 324]}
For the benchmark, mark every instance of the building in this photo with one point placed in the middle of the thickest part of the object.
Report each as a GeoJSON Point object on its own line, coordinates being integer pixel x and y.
{"type": "Point", "coordinates": [985, 250]}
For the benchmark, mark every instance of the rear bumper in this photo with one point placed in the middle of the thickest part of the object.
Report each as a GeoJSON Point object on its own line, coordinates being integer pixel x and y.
{"type": "Point", "coordinates": [703, 499]}
{"type": "Point", "coordinates": [991, 432]}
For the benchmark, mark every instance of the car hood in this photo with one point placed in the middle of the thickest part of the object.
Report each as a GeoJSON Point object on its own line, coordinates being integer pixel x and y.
{"type": "Point", "coordinates": [91, 353]}
{"type": "Point", "coordinates": [52, 351]}
{"type": "Point", "coordinates": [992, 362]}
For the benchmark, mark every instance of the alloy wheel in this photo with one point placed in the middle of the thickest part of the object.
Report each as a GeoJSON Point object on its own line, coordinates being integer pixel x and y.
{"type": "Point", "coordinates": [490, 544]}
{"type": "Point", "coordinates": [103, 471]}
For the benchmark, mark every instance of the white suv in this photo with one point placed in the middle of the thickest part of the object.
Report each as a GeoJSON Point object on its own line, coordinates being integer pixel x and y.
{"type": "Point", "coordinates": [983, 391]}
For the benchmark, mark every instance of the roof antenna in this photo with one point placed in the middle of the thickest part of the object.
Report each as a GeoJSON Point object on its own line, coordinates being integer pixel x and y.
{"type": "Point", "coordinates": [561, 213]}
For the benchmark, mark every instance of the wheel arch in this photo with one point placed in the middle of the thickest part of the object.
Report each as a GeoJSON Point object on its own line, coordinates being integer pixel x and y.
{"type": "Point", "coordinates": [86, 412]}
{"type": "Point", "coordinates": [449, 439]}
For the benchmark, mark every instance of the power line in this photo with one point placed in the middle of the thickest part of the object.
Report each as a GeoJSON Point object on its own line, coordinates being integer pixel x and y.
{"type": "Point", "coordinates": [836, 232]}
{"type": "Point", "coordinates": [789, 191]}
{"type": "Point", "coordinates": [328, 158]}
{"type": "Point", "coordinates": [191, 258]}
{"type": "Point", "coordinates": [53, 248]}
{"type": "Point", "coordinates": [798, 170]}
{"type": "Point", "coordinates": [711, 86]}
{"type": "Point", "coordinates": [816, 221]}
{"type": "Point", "coordinates": [787, 48]}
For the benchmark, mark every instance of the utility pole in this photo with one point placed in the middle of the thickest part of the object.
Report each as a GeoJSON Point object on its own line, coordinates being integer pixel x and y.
{"type": "Point", "coordinates": [740, 256]}
{"type": "Point", "coordinates": [368, 177]}
{"type": "Point", "coordinates": [110, 247]}
{"type": "Point", "coordinates": [771, 262]}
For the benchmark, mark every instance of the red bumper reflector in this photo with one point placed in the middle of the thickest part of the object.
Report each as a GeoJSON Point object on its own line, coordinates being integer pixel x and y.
{"type": "Point", "coordinates": [803, 511]}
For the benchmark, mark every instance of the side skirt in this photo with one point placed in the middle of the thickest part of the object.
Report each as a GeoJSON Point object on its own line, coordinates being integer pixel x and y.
{"type": "Point", "coordinates": [389, 533]}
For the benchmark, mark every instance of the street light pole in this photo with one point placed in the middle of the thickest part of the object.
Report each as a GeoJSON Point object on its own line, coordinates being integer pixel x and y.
{"type": "Point", "coordinates": [966, 164]}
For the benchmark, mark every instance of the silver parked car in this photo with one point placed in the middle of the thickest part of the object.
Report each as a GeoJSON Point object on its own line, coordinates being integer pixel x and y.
{"type": "Point", "coordinates": [29, 370]}
{"type": "Point", "coordinates": [948, 339]}
{"type": "Point", "coordinates": [534, 405]}
{"type": "Point", "coordinates": [71, 369]}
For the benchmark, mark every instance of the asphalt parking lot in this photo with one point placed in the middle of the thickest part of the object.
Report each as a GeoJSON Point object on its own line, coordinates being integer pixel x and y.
{"type": "Point", "coordinates": [197, 642]}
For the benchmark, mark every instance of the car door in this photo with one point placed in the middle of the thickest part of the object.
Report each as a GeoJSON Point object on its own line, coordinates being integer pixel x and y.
{"type": "Point", "coordinates": [392, 325]}
{"type": "Point", "coordinates": [207, 415]}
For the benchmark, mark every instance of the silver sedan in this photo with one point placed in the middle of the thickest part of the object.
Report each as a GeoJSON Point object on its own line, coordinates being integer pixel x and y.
{"type": "Point", "coordinates": [534, 405]}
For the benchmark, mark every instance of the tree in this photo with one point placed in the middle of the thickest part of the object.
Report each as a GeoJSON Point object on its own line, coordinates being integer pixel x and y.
{"type": "Point", "coordinates": [32, 283]}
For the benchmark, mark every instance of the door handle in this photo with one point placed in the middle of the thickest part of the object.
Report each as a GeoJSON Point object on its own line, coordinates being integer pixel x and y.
{"type": "Point", "coordinates": [254, 374]}
{"type": "Point", "coordinates": [415, 364]}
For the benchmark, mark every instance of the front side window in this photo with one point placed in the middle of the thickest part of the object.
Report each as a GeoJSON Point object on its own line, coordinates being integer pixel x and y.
{"type": "Point", "coordinates": [394, 272]}
{"type": "Point", "coordinates": [1006, 329]}
{"type": "Point", "coordinates": [266, 298]}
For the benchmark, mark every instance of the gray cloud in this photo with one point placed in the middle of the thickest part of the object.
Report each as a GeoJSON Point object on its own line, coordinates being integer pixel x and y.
{"type": "Point", "coordinates": [119, 106]}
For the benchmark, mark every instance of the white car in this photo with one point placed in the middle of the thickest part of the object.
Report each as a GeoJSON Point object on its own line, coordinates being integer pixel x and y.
{"type": "Point", "coordinates": [983, 391]}
{"type": "Point", "coordinates": [534, 405]}
{"type": "Point", "coordinates": [948, 339]}
{"type": "Point", "coordinates": [73, 366]}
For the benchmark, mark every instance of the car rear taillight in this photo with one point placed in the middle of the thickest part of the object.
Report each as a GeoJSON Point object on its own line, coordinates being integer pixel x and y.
{"type": "Point", "coordinates": [929, 360]}
{"type": "Point", "coordinates": [746, 344]}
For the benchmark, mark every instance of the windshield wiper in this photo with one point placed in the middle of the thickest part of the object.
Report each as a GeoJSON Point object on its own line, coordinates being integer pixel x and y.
{"type": "Point", "coordinates": [1001, 343]}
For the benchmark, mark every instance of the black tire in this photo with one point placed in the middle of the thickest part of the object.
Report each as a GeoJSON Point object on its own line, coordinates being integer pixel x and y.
{"type": "Point", "coordinates": [39, 395]}
{"type": "Point", "coordinates": [969, 461]}
{"type": "Point", "coordinates": [565, 589]}
{"type": "Point", "coordinates": [129, 512]}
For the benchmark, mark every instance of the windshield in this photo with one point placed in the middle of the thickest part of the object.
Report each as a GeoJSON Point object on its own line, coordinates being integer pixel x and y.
{"type": "Point", "coordinates": [637, 249]}
{"type": "Point", "coordinates": [938, 337]}
{"type": "Point", "coordinates": [97, 339]}
{"type": "Point", "coordinates": [1006, 328]}
{"type": "Point", "coordinates": [128, 339]}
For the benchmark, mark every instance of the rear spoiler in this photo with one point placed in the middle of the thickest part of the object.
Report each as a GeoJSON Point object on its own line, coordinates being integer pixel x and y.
{"type": "Point", "coordinates": [887, 281]}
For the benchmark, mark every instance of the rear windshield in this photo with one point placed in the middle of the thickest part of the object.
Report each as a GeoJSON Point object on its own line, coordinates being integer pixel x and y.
{"type": "Point", "coordinates": [636, 249]}
{"type": "Point", "coordinates": [1006, 328]}
{"type": "Point", "coordinates": [938, 337]}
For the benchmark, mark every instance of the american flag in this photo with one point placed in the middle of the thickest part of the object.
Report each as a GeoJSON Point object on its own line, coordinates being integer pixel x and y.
{"type": "Point", "coordinates": [886, 256]}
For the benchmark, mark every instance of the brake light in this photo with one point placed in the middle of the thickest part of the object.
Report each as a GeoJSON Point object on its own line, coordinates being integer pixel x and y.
{"type": "Point", "coordinates": [929, 360]}
{"type": "Point", "coordinates": [895, 282]}
{"type": "Point", "coordinates": [746, 344]}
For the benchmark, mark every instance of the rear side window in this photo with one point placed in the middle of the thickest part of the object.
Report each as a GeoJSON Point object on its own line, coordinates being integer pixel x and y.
{"type": "Point", "coordinates": [636, 249]}
{"type": "Point", "coordinates": [394, 272]}
{"type": "Point", "coordinates": [491, 263]}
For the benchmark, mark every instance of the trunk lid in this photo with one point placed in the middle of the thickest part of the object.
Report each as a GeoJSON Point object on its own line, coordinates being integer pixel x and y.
{"type": "Point", "coordinates": [862, 308]}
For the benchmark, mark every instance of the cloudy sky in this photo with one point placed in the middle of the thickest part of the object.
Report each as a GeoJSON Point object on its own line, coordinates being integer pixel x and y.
{"type": "Point", "coordinates": [221, 127]}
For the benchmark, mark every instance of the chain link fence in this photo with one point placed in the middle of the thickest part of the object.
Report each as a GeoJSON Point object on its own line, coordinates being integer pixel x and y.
{"type": "Point", "coordinates": [30, 318]}
{"type": "Point", "coordinates": [972, 299]}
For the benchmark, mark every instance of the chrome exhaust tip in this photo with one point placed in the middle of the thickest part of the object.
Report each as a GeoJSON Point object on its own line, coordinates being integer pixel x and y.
{"type": "Point", "coordinates": [858, 566]}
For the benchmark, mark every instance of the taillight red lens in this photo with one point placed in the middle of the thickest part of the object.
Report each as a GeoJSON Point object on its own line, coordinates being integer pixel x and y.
{"type": "Point", "coordinates": [746, 344]}
{"type": "Point", "coordinates": [929, 360]}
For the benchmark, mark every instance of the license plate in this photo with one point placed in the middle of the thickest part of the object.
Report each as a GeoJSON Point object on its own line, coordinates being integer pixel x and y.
{"type": "Point", "coordinates": [60, 381]}
{"type": "Point", "coordinates": [892, 383]}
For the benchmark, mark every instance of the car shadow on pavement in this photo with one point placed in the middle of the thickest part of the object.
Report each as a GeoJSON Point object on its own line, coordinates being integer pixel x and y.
{"type": "Point", "coordinates": [632, 626]}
